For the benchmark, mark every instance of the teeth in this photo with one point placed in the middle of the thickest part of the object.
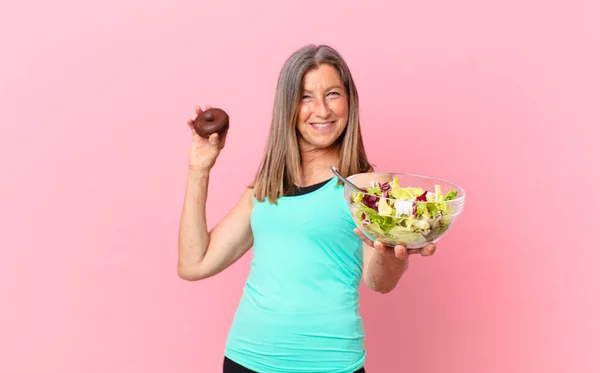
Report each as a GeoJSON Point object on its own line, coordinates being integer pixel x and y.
{"type": "Point", "coordinates": [321, 124]}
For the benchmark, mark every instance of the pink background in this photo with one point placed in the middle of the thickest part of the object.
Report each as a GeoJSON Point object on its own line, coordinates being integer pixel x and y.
{"type": "Point", "coordinates": [501, 97]}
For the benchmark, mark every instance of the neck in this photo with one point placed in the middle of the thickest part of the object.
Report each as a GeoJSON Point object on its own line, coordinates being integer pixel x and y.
{"type": "Point", "coordinates": [315, 165]}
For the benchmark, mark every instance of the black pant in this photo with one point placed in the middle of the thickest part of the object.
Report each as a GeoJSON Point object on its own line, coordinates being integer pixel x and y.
{"type": "Point", "coordinates": [230, 366]}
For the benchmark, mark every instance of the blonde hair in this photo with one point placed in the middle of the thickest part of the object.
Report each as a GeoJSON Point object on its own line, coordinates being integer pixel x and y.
{"type": "Point", "coordinates": [281, 164]}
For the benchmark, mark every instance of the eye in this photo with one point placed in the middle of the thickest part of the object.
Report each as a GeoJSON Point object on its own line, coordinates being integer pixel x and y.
{"type": "Point", "coordinates": [334, 93]}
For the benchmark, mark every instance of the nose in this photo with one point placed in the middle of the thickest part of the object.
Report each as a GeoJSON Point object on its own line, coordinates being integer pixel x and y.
{"type": "Point", "coordinates": [321, 109]}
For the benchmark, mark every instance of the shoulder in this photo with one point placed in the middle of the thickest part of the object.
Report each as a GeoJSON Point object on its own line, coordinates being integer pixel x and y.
{"type": "Point", "coordinates": [247, 198]}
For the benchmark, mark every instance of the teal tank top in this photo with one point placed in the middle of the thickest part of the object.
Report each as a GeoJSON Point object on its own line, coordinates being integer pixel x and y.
{"type": "Point", "coordinates": [299, 308]}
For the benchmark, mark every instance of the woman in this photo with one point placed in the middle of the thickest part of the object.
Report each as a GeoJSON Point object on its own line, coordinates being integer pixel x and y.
{"type": "Point", "coordinates": [299, 309]}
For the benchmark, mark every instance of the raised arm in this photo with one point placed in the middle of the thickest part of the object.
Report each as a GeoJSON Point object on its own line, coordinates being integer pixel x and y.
{"type": "Point", "coordinates": [204, 253]}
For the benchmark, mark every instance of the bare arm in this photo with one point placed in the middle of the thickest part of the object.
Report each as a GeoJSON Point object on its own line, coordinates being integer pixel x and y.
{"type": "Point", "coordinates": [382, 272]}
{"type": "Point", "coordinates": [204, 253]}
{"type": "Point", "coordinates": [383, 266]}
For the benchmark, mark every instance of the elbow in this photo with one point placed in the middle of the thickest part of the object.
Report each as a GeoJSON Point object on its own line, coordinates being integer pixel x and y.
{"type": "Point", "coordinates": [184, 274]}
{"type": "Point", "coordinates": [188, 274]}
{"type": "Point", "coordinates": [384, 290]}
{"type": "Point", "coordinates": [380, 287]}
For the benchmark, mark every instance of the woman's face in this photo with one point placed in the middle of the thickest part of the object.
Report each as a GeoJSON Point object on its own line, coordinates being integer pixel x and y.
{"type": "Point", "coordinates": [323, 112]}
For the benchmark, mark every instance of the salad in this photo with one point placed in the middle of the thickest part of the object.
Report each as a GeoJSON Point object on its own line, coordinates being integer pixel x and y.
{"type": "Point", "coordinates": [402, 214]}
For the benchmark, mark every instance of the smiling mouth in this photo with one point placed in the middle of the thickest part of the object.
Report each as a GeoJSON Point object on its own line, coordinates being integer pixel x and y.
{"type": "Point", "coordinates": [322, 125]}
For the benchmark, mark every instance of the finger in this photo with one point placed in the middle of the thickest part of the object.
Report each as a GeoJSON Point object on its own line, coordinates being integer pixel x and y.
{"type": "Point", "coordinates": [381, 248]}
{"type": "Point", "coordinates": [198, 110]}
{"type": "Point", "coordinates": [208, 107]}
{"type": "Point", "coordinates": [401, 252]}
{"type": "Point", "coordinates": [190, 124]}
{"type": "Point", "coordinates": [362, 236]}
{"type": "Point", "coordinates": [428, 250]}
{"type": "Point", "coordinates": [214, 138]}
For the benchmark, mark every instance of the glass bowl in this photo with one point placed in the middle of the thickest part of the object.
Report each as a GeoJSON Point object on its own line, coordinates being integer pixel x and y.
{"type": "Point", "coordinates": [402, 208]}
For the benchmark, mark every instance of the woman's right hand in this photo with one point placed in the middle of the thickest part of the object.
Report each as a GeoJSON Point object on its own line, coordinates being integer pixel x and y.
{"type": "Point", "coordinates": [204, 151]}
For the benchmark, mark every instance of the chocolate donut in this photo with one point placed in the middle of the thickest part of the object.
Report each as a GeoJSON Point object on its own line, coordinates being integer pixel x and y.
{"type": "Point", "coordinates": [211, 121]}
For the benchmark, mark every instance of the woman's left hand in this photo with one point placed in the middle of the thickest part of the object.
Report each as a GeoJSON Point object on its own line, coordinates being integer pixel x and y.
{"type": "Point", "coordinates": [398, 251]}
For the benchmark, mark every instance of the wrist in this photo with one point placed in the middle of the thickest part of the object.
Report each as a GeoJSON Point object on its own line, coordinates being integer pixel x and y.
{"type": "Point", "coordinates": [198, 171]}
{"type": "Point", "coordinates": [196, 175]}
{"type": "Point", "coordinates": [390, 260]}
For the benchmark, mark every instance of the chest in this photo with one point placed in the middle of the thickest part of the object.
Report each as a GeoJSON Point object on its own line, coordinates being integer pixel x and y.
{"type": "Point", "coordinates": [307, 237]}
{"type": "Point", "coordinates": [318, 216]}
